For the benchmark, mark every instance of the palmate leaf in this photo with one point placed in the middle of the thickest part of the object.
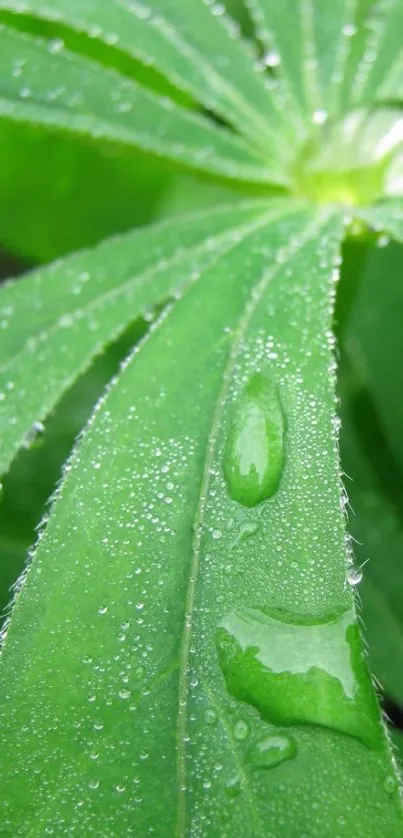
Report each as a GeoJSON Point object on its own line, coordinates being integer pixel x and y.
{"type": "Point", "coordinates": [146, 554]}
{"type": "Point", "coordinates": [59, 317]}
{"type": "Point", "coordinates": [67, 91]}
{"type": "Point", "coordinates": [184, 657]}
{"type": "Point", "coordinates": [198, 51]}
{"type": "Point", "coordinates": [312, 54]}
{"type": "Point", "coordinates": [378, 75]}
{"type": "Point", "coordinates": [386, 217]}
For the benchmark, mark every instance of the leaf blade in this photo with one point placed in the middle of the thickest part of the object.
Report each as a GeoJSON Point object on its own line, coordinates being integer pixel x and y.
{"type": "Point", "coordinates": [382, 55]}
{"type": "Point", "coordinates": [195, 52]}
{"type": "Point", "coordinates": [119, 456]}
{"type": "Point", "coordinates": [77, 308]}
{"type": "Point", "coordinates": [64, 90]}
{"type": "Point", "coordinates": [312, 54]}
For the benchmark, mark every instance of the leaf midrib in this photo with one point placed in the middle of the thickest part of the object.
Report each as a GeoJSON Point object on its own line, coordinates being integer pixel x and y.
{"type": "Point", "coordinates": [256, 294]}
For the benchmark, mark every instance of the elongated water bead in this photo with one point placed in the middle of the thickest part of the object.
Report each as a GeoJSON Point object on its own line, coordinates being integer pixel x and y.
{"type": "Point", "coordinates": [254, 454]}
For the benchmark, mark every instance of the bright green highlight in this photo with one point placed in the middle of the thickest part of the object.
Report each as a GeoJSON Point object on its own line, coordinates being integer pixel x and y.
{"type": "Point", "coordinates": [356, 161]}
{"type": "Point", "coordinates": [299, 673]}
{"type": "Point", "coordinates": [254, 453]}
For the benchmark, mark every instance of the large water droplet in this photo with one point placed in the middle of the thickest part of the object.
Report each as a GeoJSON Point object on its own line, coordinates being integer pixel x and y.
{"type": "Point", "coordinates": [271, 750]}
{"type": "Point", "coordinates": [298, 673]}
{"type": "Point", "coordinates": [254, 453]}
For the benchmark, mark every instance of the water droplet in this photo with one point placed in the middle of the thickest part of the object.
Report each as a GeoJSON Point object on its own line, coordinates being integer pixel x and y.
{"type": "Point", "coordinates": [254, 454]}
{"type": "Point", "coordinates": [246, 530]}
{"type": "Point", "coordinates": [349, 30]}
{"type": "Point", "coordinates": [34, 437]}
{"type": "Point", "coordinates": [210, 717]}
{"type": "Point", "coordinates": [241, 730]}
{"type": "Point", "coordinates": [390, 784]}
{"type": "Point", "coordinates": [354, 576]}
{"type": "Point", "coordinates": [233, 786]}
{"type": "Point", "coordinates": [271, 750]}
{"type": "Point", "coordinates": [56, 45]}
{"type": "Point", "coordinates": [294, 671]}
{"type": "Point", "coordinates": [93, 784]}
{"type": "Point", "coordinates": [271, 59]}
{"type": "Point", "coordinates": [124, 694]}
{"type": "Point", "coordinates": [103, 609]}
{"type": "Point", "coordinates": [319, 117]}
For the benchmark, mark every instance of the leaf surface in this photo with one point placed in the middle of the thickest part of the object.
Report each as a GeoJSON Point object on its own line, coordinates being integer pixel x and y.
{"type": "Point", "coordinates": [66, 91]}
{"type": "Point", "coordinates": [386, 217]}
{"type": "Point", "coordinates": [383, 55]}
{"type": "Point", "coordinates": [146, 554]}
{"type": "Point", "coordinates": [199, 51]}
{"type": "Point", "coordinates": [313, 53]}
{"type": "Point", "coordinates": [59, 317]}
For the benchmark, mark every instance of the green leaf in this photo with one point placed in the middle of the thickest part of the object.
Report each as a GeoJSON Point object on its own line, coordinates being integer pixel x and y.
{"type": "Point", "coordinates": [37, 470]}
{"type": "Point", "coordinates": [382, 58]}
{"type": "Point", "coordinates": [67, 91]}
{"type": "Point", "coordinates": [312, 53]}
{"type": "Point", "coordinates": [49, 196]}
{"type": "Point", "coordinates": [378, 545]}
{"type": "Point", "coordinates": [199, 52]}
{"type": "Point", "coordinates": [372, 451]}
{"type": "Point", "coordinates": [146, 555]}
{"type": "Point", "coordinates": [386, 217]}
{"type": "Point", "coordinates": [58, 318]}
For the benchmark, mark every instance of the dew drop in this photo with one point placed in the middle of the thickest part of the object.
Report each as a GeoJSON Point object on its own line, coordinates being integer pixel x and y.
{"type": "Point", "coordinates": [93, 784]}
{"type": "Point", "coordinates": [254, 454]}
{"type": "Point", "coordinates": [319, 117]}
{"type": "Point", "coordinates": [124, 694]}
{"type": "Point", "coordinates": [354, 576]}
{"type": "Point", "coordinates": [233, 786]}
{"type": "Point", "coordinates": [271, 59]}
{"type": "Point", "coordinates": [349, 30]}
{"type": "Point", "coordinates": [56, 45]}
{"type": "Point", "coordinates": [390, 784]}
{"type": "Point", "coordinates": [270, 751]}
{"type": "Point", "coordinates": [34, 437]}
{"type": "Point", "coordinates": [210, 717]}
{"type": "Point", "coordinates": [296, 672]}
{"type": "Point", "coordinates": [241, 730]}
